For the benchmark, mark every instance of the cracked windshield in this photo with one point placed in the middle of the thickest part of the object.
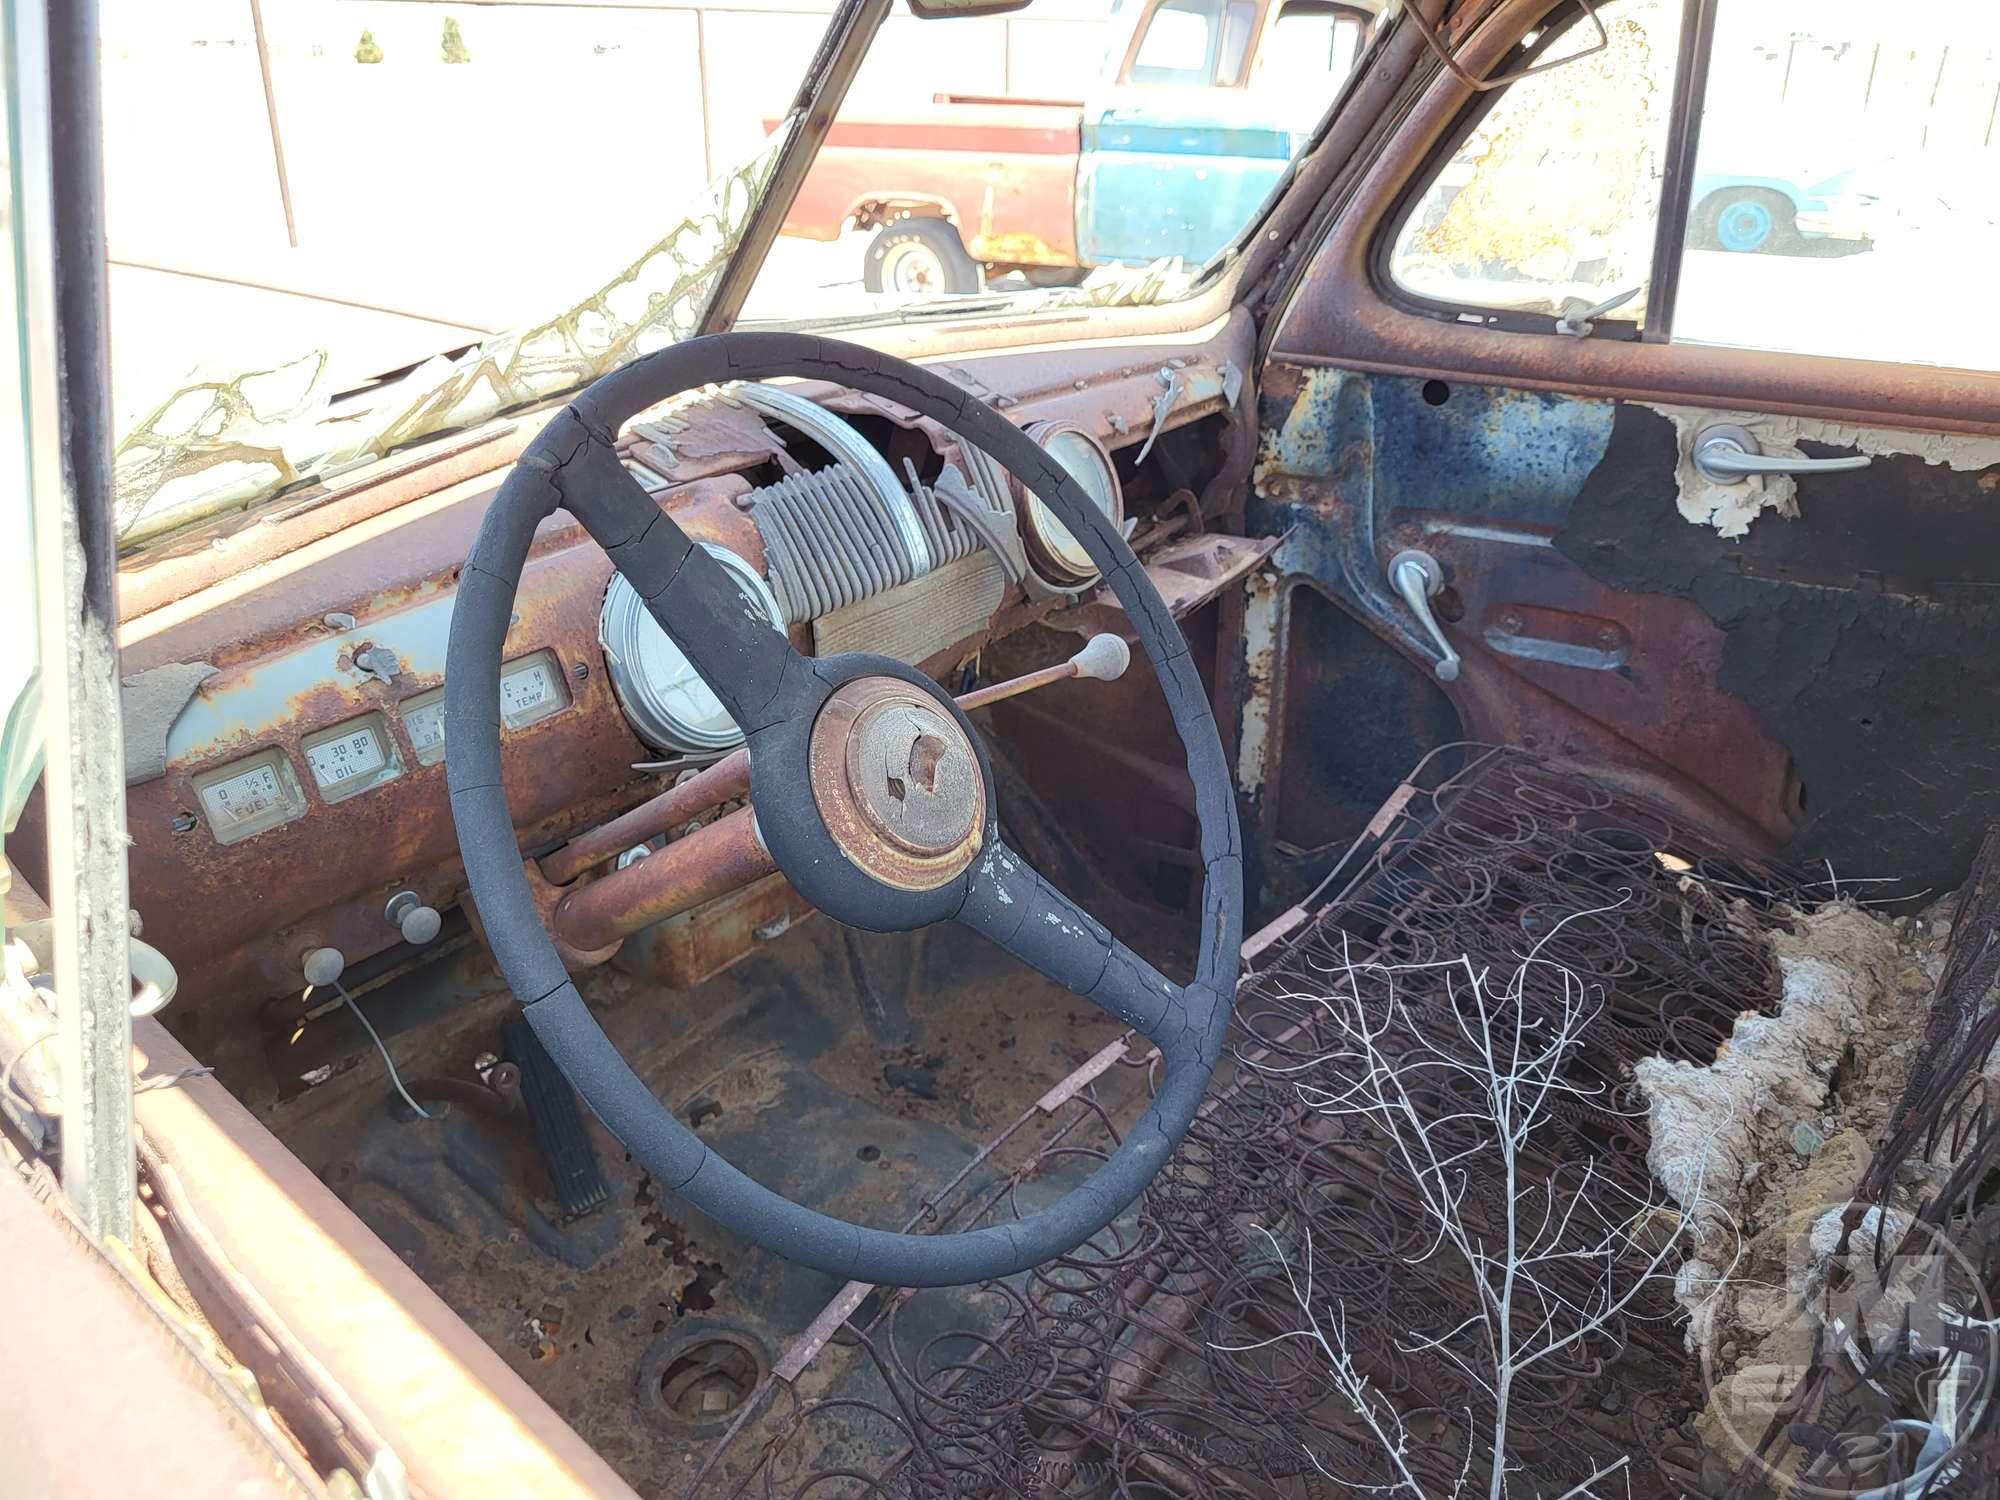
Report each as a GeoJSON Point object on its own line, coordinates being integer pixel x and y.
{"type": "Point", "coordinates": [438, 213]}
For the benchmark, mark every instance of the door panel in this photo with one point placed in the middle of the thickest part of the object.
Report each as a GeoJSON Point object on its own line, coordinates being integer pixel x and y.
{"type": "Point", "coordinates": [1818, 684]}
{"type": "Point", "coordinates": [1171, 171]}
{"type": "Point", "coordinates": [1804, 659]}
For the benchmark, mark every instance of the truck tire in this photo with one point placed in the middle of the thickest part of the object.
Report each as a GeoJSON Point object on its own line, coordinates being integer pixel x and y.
{"type": "Point", "coordinates": [1745, 221]}
{"type": "Point", "coordinates": [918, 256]}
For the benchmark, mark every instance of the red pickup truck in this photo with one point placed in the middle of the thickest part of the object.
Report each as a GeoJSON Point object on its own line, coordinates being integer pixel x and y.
{"type": "Point", "coordinates": [1202, 105]}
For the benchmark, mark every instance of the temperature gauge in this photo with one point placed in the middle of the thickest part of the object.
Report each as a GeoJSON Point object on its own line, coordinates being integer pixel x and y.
{"type": "Point", "coordinates": [351, 758]}
{"type": "Point", "coordinates": [531, 689]}
{"type": "Point", "coordinates": [249, 796]}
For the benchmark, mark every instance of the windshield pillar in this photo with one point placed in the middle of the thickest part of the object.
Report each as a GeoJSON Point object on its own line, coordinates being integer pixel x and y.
{"type": "Point", "coordinates": [848, 37]}
{"type": "Point", "coordinates": [57, 244]}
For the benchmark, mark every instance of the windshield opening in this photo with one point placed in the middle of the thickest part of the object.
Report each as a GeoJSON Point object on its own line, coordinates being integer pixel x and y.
{"type": "Point", "coordinates": [1075, 152]}
{"type": "Point", "coordinates": [497, 206]}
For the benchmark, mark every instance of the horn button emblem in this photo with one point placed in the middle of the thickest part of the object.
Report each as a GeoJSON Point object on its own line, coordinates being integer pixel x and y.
{"type": "Point", "coordinates": [897, 783]}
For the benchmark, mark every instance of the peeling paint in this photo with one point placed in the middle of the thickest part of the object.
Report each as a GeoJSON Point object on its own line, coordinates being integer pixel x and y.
{"type": "Point", "coordinates": [1260, 674]}
{"type": "Point", "coordinates": [1730, 508]}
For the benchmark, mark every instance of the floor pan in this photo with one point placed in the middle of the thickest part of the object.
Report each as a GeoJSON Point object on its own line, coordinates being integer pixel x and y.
{"type": "Point", "coordinates": [1173, 1355]}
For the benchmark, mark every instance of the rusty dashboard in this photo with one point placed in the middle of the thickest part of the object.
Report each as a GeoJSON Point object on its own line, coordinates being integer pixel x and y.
{"type": "Point", "coordinates": [284, 719]}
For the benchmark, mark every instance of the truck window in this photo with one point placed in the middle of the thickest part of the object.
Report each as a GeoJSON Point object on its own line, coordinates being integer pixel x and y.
{"type": "Point", "coordinates": [1313, 44]}
{"type": "Point", "coordinates": [1180, 43]}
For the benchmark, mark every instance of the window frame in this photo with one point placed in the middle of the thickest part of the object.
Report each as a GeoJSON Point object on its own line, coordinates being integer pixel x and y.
{"type": "Point", "coordinates": [1329, 310]}
{"type": "Point", "coordinates": [1556, 26]}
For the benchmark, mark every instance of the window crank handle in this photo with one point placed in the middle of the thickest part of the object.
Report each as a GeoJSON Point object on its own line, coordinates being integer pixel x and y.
{"type": "Point", "coordinates": [1417, 577]}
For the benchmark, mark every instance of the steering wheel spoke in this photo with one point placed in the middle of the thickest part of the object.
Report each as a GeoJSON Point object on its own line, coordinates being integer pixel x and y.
{"type": "Point", "coordinates": [1009, 903]}
{"type": "Point", "coordinates": [747, 663]}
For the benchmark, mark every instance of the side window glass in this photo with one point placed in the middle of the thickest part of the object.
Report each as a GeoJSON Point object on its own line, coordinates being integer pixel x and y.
{"type": "Point", "coordinates": [1238, 17]}
{"type": "Point", "coordinates": [1550, 204]}
{"type": "Point", "coordinates": [1846, 194]}
{"type": "Point", "coordinates": [1179, 45]}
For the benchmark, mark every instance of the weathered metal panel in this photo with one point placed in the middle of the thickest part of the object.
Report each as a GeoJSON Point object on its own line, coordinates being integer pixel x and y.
{"type": "Point", "coordinates": [1158, 181]}
{"type": "Point", "coordinates": [1355, 467]}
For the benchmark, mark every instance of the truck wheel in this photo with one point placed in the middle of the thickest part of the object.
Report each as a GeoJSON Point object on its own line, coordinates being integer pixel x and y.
{"type": "Point", "coordinates": [1745, 221]}
{"type": "Point", "coordinates": [919, 257]}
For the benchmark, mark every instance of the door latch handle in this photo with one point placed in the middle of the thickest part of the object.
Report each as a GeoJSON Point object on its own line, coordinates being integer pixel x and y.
{"type": "Point", "coordinates": [1417, 577]}
{"type": "Point", "coordinates": [1728, 454]}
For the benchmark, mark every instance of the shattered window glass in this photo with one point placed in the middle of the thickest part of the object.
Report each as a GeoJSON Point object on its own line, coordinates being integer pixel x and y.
{"type": "Point", "coordinates": [1550, 204]}
{"type": "Point", "coordinates": [215, 445]}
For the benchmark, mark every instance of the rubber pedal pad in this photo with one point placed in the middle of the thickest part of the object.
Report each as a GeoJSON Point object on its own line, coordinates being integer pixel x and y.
{"type": "Point", "coordinates": [556, 1120]}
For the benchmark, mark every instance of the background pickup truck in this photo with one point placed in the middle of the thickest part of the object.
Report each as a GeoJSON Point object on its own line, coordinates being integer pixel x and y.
{"type": "Point", "coordinates": [1201, 105]}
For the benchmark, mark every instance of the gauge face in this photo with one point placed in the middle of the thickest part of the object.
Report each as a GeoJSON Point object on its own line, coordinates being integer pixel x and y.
{"type": "Point", "coordinates": [531, 689]}
{"type": "Point", "coordinates": [423, 717]}
{"type": "Point", "coordinates": [351, 758]}
{"type": "Point", "coordinates": [1058, 555]}
{"type": "Point", "coordinates": [249, 796]}
{"type": "Point", "coordinates": [668, 704]}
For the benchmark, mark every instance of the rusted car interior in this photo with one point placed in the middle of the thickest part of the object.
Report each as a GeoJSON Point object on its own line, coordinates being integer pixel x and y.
{"type": "Point", "coordinates": [845, 1010]}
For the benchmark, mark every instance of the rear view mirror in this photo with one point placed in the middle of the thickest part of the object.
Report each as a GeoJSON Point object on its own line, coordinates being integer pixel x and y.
{"type": "Point", "coordinates": [944, 10]}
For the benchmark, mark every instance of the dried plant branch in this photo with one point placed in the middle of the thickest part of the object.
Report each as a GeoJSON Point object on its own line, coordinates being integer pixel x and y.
{"type": "Point", "coordinates": [1446, 1072]}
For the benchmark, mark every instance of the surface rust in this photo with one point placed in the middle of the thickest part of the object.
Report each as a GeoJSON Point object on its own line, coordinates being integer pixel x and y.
{"type": "Point", "coordinates": [682, 802]}
{"type": "Point", "coordinates": [841, 785]}
{"type": "Point", "coordinates": [713, 860]}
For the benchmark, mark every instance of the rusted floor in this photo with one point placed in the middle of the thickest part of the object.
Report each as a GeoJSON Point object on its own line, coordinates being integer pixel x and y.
{"type": "Point", "coordinates": [643, 1323]}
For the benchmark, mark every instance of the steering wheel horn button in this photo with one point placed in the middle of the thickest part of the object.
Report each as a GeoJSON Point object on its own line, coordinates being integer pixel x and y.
{"type": "Point", "coordinates": [897, 783]}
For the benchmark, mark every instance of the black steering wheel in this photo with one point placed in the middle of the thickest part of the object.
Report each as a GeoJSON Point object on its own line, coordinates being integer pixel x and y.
{"type": "Point", "coordinates": [871, 791]}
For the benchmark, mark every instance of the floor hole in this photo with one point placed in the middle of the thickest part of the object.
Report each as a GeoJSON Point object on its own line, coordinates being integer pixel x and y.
{"type": "Point", "coordinates": [700, 1378]}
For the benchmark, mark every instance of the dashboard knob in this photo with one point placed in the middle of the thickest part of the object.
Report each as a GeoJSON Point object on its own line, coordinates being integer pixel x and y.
{"type": "Point", "coordinates": [418, 923]}
{"type": "Point", "coordinates": [323, 966]}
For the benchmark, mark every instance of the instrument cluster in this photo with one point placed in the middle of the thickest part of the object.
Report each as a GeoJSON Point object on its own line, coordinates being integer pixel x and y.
{"type": "Point", "coordinates": [295, 790]}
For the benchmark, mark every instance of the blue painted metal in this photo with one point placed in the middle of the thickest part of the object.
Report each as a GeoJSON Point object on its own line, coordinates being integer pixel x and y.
{"type": "Point", "coordinates": [1154, 180]}
{"type": "Point", "coordinates": [1743, 224]}
{"type": "Point", "coordinates": [238, 710]}
{"type": "Point", "coordinates": [1355, 466]}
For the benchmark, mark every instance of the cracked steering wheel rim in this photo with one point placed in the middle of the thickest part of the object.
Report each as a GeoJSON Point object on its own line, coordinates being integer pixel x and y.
{"type": "Point", "coordinates": [775, 696]}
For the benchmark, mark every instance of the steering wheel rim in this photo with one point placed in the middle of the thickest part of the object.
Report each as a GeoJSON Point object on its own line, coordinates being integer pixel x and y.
{"type": "Point", "coordinates": [776, 696]}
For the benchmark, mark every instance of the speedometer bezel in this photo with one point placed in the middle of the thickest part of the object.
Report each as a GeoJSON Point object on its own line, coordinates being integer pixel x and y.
{"type": "Point", "coordinates": [621, 620]}
{"type": "Point", "coordinates": [1057, 558]}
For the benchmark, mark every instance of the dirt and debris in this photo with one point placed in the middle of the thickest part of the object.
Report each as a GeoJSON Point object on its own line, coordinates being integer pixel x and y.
{"type": "Point", "coordinates": [1764, 1149]}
